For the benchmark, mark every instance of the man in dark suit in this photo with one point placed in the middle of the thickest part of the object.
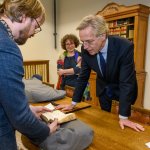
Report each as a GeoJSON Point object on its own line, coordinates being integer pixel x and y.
{"type": "Point", "coordinates": [112, 58]}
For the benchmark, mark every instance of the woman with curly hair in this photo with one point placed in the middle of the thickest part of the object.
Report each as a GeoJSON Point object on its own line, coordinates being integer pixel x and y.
{"type": "Point", "coordinates": [69, 61]}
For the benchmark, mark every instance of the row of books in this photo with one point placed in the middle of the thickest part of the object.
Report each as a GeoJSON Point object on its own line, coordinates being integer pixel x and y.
{"type": "Point", "coordinates": [122, 31]}
{"type": "Point", "coordinates": [118, 30]}
{"type": "Point", "coordinates": [121, 22]}
{"type": "Point", "coordinates": [129, 35]}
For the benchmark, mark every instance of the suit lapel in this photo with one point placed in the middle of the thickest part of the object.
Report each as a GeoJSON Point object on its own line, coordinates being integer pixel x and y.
{"type": "Point", "coordinates": [110, 59]}
{"type": "Point", "coordinates": [97, 67]}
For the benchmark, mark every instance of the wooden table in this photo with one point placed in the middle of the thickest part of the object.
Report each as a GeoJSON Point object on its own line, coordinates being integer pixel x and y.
{"type": "Point", "coordinates": [107, 133]}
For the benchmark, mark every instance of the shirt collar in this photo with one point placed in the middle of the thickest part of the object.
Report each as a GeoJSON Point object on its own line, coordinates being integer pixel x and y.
{"type": "Point", "coordinates": [105, 48]}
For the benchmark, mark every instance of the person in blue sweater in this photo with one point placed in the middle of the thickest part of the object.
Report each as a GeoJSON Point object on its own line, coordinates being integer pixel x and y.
{"type": "Point", "coordinates": [19, 20]}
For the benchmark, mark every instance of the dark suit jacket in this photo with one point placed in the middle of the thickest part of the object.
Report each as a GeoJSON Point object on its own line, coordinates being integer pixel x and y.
{"type": "Point", "coordinates": [120, 73]}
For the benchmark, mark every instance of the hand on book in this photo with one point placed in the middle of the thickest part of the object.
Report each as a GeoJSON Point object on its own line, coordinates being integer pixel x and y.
{"type": "Point", "coordinates": [49, 117]}
{"type": "Point", "coordinates": [38, 110]}
{"type": "Point", "coordinates": [65, 107]}
{"type": "Point", "coordinates": [54, 126]}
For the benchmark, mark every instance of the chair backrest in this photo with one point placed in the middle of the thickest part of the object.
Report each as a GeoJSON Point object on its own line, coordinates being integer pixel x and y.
{"type": "Point", "coordinates": [40, 67]}
{"type": "Point", "coordinates": [69, 90]}
{"type": "Point", "coordinates": [28, 144]}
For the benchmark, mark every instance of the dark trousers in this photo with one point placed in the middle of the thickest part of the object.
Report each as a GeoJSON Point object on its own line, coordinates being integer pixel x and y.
{"type": "Point", "coordinates": [105, 103]}
{"type": "Point", "coordinates": [107, 96]}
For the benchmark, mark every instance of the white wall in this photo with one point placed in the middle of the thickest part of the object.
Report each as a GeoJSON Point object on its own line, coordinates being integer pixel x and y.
{"type": "Point", "coordinates": [69, 14]}
{"type": "Point", "coordinates": [42, 45]}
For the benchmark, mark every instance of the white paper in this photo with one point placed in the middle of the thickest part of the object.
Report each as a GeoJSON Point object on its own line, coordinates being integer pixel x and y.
{"type": "Point", "coordinates": [147, 144]}
{"type": "Point", "coordinates": [50, 106]}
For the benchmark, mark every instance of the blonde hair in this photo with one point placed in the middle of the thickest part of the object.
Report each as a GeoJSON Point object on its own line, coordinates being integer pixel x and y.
{"type": "Point", "coordinates": [14, 9]}
{"type": "Point", "coordinates": [98, 23]}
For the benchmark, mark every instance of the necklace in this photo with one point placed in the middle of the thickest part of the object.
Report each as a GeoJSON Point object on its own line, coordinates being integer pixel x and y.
{"type": "Point", "coordinates": [8, 29]}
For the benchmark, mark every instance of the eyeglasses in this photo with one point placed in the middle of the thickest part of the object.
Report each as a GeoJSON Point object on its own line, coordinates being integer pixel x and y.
{"type": "Point", "coordinates": [68, 44]}
{"type": "Point", "coordinates": [91, 42]}
{"type": "Point", "coordinates": [88, 42]}
{"type": "Point", "coordinates": [38, 29]}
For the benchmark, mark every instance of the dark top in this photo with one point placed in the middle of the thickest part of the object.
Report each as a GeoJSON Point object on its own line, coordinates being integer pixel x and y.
{"type": "Point", "coordinates": [120, 73]}
{"type": "Point", "coordinates": [70, 62]}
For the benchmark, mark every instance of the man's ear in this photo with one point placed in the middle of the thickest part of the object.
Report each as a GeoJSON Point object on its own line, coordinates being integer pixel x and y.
{"type": "Point", "coordinates": [22, 19]}
{"type": "Point", "coordinates": [103, 36]}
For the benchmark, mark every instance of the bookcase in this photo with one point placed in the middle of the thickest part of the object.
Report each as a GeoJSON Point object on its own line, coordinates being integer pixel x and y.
{"type": "Point", "coordinates": [130, 22]}
{"type": "Point", "coordinates": [122, 27]}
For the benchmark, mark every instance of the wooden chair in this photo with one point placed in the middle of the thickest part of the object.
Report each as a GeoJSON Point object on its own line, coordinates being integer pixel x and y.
{"type": "Point", "coordinates": [49, 84]}
{"type": "Point", "coordinates": [69, 90]}
{"type": "Point", "coordinates": [28, 144]}
{"type": "Point", "coordinates": [33, 67]}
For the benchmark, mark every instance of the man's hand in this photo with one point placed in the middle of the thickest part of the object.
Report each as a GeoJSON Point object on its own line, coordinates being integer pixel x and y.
{"type": "Point", "coordinates": [128, 123]}
{"type": "Point", "coordinates": [54, 126]}
{"type": "Point", "coordinates": [64, 107]}
{"type": "Point", "coordinates": [38, 110]}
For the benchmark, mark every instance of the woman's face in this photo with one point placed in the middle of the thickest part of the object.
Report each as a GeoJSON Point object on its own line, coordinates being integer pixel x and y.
{"type": "Point", "coordinates": [70, 46]}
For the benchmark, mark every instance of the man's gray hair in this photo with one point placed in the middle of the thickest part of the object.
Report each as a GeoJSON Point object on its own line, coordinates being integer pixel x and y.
{"type": "Point", "coordinates": [97, 22]}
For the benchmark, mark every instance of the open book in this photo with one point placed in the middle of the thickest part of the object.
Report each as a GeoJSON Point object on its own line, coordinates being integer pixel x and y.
{"type": "Point", "coordinates": [62, 117]}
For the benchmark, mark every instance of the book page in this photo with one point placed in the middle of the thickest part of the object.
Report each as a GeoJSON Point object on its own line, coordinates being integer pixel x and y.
{"type": "Point", "coordinates": [57, 114]}
{"type": "Point", "coordinates": [50, 106]}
